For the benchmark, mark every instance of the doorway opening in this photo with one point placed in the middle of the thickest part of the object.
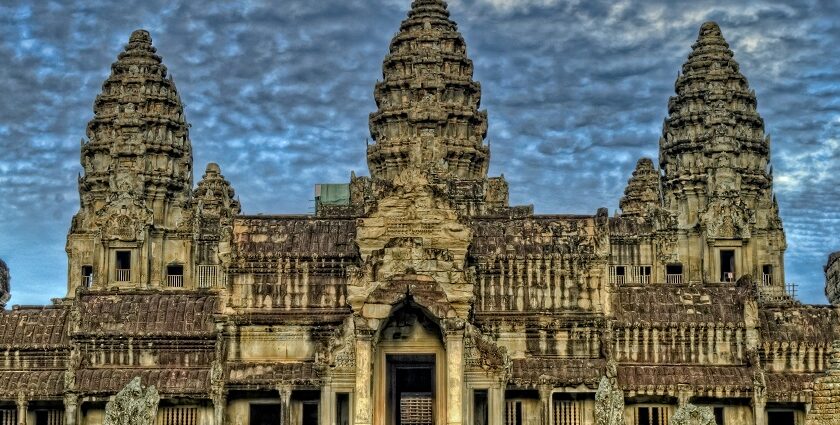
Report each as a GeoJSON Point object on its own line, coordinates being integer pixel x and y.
{"type": "Point", "coordinates": [727, 265]}
{"type": "Point", "coordinates": [781, 418]}
{"type": "Point", "coordinates": [265, 414]}
{"type": "Point", "coordinates": [411, 389]}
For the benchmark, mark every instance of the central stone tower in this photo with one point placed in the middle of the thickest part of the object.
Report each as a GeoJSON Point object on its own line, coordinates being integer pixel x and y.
{"type": "Point", "coordinates": [715, 157]}
{"type": "Point", "coordinates": [428, 103]}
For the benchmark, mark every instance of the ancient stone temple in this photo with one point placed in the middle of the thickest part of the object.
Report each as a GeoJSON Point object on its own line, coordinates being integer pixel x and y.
{"type": "Point", "coordinates": [418, 295]}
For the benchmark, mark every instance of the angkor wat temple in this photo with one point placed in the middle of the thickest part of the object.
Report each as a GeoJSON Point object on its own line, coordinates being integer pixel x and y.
{"type": "Point", "coordinates": [418, 295]}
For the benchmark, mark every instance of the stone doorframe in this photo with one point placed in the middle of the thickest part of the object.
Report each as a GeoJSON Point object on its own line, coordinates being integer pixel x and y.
{"type": "Point", "coordinates": [423, 293]}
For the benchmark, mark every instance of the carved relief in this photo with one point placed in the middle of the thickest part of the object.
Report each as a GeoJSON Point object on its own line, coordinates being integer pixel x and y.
{"type": "Point", "coordinates": [133, 405]}
{"type": "Point", "coordinates": [693, 415]}
{"type": "Point", "coordinates": [726, 218]}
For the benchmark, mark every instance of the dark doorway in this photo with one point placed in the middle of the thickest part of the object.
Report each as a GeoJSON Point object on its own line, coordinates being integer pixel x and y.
{"type": "Point", "coordinates": [480, 413]}
{"type": "Point", "coordinates": [342, 409]}
{"type": "Point", "coordinates": [310, 413]}
{"type": "Point", "coordinates": [411, 384]}
{"type": "Point", "coordinates": [727, 265]}
{"type": "Point", "coordinates": [781, 418]}
{"type": "Point", "coordinates": [266, 414]}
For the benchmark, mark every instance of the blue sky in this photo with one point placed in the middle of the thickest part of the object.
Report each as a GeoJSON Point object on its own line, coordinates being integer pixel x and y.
{"type": "Point", "coordinates": [278, 93]}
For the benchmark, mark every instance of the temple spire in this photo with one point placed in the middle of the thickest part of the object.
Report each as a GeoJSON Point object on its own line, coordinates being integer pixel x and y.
{"type": "Point", "coordinates": [714, 136]}
{"type": "Point", "coordinates": [428, 114]}
{"type": "Point", "coordinates": [138, 140]}
{"type": "Point", "coordinates": [642, 192]}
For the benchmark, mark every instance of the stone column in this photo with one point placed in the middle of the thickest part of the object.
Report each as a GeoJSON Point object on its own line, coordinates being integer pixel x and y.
{"type": "Point", "coordinates": [496, 404]}
{"type": "Point", "coordinates": [219, 406]}
{"type": "Point", "coordinates": [285, 403]}
{"type": "Point", "coordinates": [545, 401]}
{"type": "Point", "coordinates": [759, 413]}
{"type": "Point", "coordinates": [22, 407]}
{"type": "Point", "coordinates": [327, 407]}
{"type": "Point", "coordinates": [71, 404]}
{"type": "Point", "coordinates": [363, 399]}
{"type": "Point", "coordinates": [455, 376]}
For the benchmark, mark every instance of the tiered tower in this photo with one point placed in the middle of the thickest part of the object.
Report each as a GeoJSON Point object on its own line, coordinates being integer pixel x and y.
{"type": "Point", "coordinates": [715, 156]}
{"type": "Point", "coordinates": [137, 180]}
{"type": "Point", "coordinates": [642, 192]}
{"type": "Point", "coordinates": [428, 103]}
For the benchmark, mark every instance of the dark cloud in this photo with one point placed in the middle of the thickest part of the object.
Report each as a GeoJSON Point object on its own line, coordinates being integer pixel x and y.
{"type": "Point", "coordinates": [278, 93]}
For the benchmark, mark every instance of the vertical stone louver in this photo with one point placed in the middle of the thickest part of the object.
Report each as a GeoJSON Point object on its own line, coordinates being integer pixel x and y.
{"type": "Point", "coordinates": [715, 157]}
{"type": "Point", "coordinates": [428, 103]}
{"type": "Point", "coordinates": [138, 137]}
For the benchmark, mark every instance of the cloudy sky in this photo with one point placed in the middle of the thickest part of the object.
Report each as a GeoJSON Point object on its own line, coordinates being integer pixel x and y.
{"type": "Point", "coordinates": [278, 93]}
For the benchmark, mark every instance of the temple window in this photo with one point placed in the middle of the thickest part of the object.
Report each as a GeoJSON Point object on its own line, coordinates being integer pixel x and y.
{"type": "Point", "coordinates": [568, 412]}
{"type": "Point", "coordinates": [178, 415]}
{"type": "Point", "coordinates": [630, 274]}
{"type": "Point", "coordinates": [123, 269]}
{"type": "Point", "coordinates": [175, 276]}
{"type": "Point", "coordinates": [87, 276]}
{"type": "Point", "coordinates": [49, 417]}
{"type": "Point", "coordinates": [674, 274]}
{"type": "Point", "coordinates": [513, 412]}
{"type": "Point", "coordinates": [8, 416]}
{"type": "Point", "coordinates": [618, 275]}
{"type": "Point", "coordinates": [651, 415]}
{"type": "Point", "coordinates": [767, 275]}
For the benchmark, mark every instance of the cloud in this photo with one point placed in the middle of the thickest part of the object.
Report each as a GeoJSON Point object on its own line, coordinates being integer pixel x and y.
{"type": "Point", "coordinates": [279, 96]}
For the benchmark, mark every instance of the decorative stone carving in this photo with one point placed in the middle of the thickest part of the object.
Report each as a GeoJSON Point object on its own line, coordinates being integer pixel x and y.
{"type": "Point", "coordinates": [124, 218]}
{"type": "Point", "coordinates": [690, 414]}
{"type": "Point", "coordinates": [727, 218]}
{"type": "Point", "coordinates": [414, 231]}
{"type": "Point", "coordinates": [133, 405]}
{"type": "Point", "coordinates": [609, 404]}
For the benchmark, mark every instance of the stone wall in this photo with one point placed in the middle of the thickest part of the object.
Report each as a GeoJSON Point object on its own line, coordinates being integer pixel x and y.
{"type": "Point", "coordinates": [825, 409]}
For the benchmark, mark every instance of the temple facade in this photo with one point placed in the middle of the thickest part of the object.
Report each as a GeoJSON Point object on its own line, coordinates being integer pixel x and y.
{"type": "Point", "coordinates": [417, 294]}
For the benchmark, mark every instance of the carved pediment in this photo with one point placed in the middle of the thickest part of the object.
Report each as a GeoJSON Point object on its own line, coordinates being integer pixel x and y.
{"type": "Point", "coordinates": [124, 219]}
{"type": "Point", "coordinates": [727, 218]}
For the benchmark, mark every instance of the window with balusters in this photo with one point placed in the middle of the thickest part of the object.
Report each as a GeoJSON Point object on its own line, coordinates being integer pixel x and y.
{"type": "Point", "coordinates": [568, 412]}
{"type": "Point", "coordinates": [513, 412]}
{"type": "Point", "coordinates": [8, 416]}
{"type": "Point", "coordinates": [207, 276]}
{"type": "Point", "coordinates": [651, 415]}
{"type": "Point", "coordinates": [621, 274]}
{"type": "Point", "coordinates": [178, 415]}
{"type": "Point", "coordinates": [47, 417]}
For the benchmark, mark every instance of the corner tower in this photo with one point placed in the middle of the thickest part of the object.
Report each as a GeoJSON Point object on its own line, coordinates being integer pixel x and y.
{"type": "Point", "coordinates": [717, 180]}
{"type": "Point", "coordinates": [137, 181]}
{"type": "Point", "coordinates": [428, 104]}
